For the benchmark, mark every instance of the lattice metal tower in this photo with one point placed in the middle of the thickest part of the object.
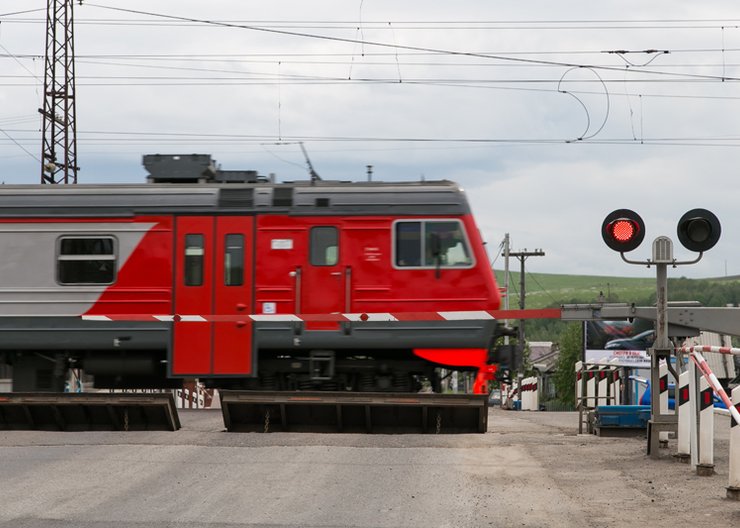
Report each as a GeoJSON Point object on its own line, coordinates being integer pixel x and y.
{"type": "Point", "coordinates": [59, 149]}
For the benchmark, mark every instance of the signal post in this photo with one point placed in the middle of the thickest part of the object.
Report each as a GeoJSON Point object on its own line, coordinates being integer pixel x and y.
{"type": "Point", "coordinates": [623, 230]}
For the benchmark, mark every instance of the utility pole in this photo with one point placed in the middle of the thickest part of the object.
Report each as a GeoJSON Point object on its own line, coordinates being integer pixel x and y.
{"type": "Point", "coordinates": [523, 256]}
{"type": "Point", "coordinates": [506, 280]}
{"type": "Point", "coordinates": [59, 145]}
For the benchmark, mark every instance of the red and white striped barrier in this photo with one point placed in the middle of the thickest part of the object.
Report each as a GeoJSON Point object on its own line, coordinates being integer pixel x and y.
{"type": "Point", "coordinates": [683, 397]}
{"type": "Point", "coordinates": [474, 315]}
{"type": "Point", "coordinates": [705, 460]}
{"type": "Point", "coordinates": [714, 382]}
{"type": "Point", "coordinates": [530, 394]}
{"type": "Point", "coordinates": [663, 398]}
{"type": "Point", "coordinates": [513, 394]}
{"type": "Point", "coordinates": [601, 387]}
{"type": "Point", "coordinates": [709, 383]}
{"type": "Point", "coordinates": [733, 489]}
{"type": "Point", "coordinates": [590, 386]}
{"type": "Point", "coordinates": [579, 383]}
{"type": "Point", "coordinates": [615, 387]}
{"type": "Point", "coordinates": [598, 384]}
{"type": "Point", "coordinates": [707, 348]}
{"type": "Point", "coordinates": [702, 407]}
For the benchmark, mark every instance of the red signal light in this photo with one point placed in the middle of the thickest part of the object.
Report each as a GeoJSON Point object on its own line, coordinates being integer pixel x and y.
{"type": "Point", "coordinates": [623, 230]}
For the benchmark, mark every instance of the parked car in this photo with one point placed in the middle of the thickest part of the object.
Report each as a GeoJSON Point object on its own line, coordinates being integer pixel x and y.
{"type": "Point", "coordinates": [641, 341]}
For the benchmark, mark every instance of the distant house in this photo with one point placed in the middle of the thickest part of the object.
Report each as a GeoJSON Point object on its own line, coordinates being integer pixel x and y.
{"type": "Point", "coordinates": [543, 355]}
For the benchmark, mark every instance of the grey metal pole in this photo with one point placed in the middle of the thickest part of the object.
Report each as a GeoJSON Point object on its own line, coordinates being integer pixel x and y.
{"type": "Point", "coordinates": [661, 326]}
{"type": "Point", "coordinates": [506, 280]}
{"type": "Point", "coordinates": [522, 256]}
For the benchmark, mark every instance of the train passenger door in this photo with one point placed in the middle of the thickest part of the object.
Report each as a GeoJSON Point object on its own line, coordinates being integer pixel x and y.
{"type": "Point", "coordinates": [213, 276]}
{"type": "Point", "coordinates": [324, 276]}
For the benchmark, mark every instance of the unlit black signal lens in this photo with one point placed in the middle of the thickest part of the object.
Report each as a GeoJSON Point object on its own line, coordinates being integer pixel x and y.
{"type": "Point", "coordinates": [699, 230]}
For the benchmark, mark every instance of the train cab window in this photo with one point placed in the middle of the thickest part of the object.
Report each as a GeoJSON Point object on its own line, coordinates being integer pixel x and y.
{"type": "Point", "coordinates": [324, 246]}
{"type": "Point", "coordinates": [432, 243]}
{"type": "Point", "coordinates": [408, 244]}
{"type": "Point", "coordinates": [86, 260]}
{"type": "Point", "coordinates": [234, 260]}
{"type": "Point", "coordinates": [194, 252]}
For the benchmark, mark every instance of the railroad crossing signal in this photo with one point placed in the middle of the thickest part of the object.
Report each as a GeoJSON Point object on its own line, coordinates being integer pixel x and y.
{"type": "Point", "coordinates": [698, 230]}
{"type": "Point", "coordinates": [623, 230]}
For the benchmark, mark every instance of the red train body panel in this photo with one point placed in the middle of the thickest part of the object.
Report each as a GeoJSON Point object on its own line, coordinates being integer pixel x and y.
{"type": "Point", "coordinates": [237, 250]}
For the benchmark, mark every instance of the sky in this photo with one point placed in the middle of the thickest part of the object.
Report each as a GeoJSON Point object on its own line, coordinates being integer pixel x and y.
{"type": "Point", "coordinates": [549, 114]}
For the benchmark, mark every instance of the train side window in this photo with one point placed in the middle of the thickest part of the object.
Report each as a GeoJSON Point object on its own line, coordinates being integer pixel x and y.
{"type": "Point", "coordinates": [408, 244]}
{"type": "Point", "coordinates": [428, 243]}
{"type": "Point", "coordinates": [453, 248]}
{"type": "Point", "coordinates": [86, 260]}
{"type": "Point", "coordinates": [234, 260]}
{"type": "Point", "coordinates": [194, 252]}
{"type": "Point", "coordinates": [324, 249]}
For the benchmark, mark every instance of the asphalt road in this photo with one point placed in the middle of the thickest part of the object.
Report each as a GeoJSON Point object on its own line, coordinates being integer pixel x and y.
{"type": "Point", "coordinates": [530, 469]}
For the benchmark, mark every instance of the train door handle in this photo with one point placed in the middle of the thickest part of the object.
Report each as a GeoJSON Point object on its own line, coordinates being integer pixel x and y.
{"type": "Point", "coordinates": [241, 324]}
{"type": "Point", "coordinates": [336, 273]}
{"type": "Point", "coordinates": [241, 306]}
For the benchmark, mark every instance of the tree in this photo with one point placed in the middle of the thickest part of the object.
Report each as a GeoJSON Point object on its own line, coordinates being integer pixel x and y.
{"type": "Point", "coordinates": [571, 349]}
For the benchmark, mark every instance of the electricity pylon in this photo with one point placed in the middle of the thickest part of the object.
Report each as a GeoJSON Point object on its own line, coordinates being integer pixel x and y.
{"type": "Point", "coordinates": [59, 147]}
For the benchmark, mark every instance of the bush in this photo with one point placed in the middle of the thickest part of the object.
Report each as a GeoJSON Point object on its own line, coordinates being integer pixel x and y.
{"type": "Point", "coordinates": [571, 351]}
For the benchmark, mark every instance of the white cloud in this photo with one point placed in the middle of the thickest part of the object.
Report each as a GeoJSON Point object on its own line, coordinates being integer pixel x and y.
{"type": "Point", "coordinates": [552, 196]}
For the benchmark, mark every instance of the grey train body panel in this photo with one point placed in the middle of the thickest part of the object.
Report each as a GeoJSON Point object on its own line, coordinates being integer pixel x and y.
{"type": "Point", "coordinates": [321, 198]}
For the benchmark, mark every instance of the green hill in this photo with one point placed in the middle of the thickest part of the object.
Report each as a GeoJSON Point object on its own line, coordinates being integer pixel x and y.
{"type": "Point", "coordinates": [548, 289]}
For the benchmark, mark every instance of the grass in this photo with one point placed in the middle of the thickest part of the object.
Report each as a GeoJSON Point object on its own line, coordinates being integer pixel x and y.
{"type": "Point", "coordinates": [546, 289]}
{"type": "Point", "coordinates": [549, 289]}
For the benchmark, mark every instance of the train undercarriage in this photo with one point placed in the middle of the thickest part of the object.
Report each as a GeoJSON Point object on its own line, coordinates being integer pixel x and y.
{"type": "Point", "coordinates": [278, 370]}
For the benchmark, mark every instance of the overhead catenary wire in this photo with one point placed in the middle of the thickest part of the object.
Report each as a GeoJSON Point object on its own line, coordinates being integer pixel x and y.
{"type": "Point", "coordinates": [115, 138]}
{"type": "Point", "coordinates": [394, 46]}
{"type": "Point", "coordinates": [441, 81]}
{"type": "Point", "coordinates": [549, 25]}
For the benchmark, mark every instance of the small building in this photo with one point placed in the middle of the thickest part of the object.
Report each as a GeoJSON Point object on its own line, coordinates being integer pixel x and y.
{"type": "Point", "coordinates": [543, 355]}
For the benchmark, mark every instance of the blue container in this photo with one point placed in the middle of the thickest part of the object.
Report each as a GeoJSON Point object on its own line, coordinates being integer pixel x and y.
{"type": "Point", "coordinates": [634, 416]}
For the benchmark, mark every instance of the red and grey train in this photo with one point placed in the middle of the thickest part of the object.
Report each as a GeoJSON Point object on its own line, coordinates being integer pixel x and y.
{"type": "Point", "coordinates": [160, 262]}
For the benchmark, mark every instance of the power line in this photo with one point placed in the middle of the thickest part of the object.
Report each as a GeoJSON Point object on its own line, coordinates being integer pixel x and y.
{"type": "Point", "coordinates": [18, 144]}
{"type": "Point", "coordinates": [400, 46]}
{"type": "Point", "coordinates": [542, 288]}
{"type": "Point", "coordinates": [665, 24]}
{"type": "Point", "coordinates": [23, 13]}
{"type": "Point", "coordinates": [145, 137]}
